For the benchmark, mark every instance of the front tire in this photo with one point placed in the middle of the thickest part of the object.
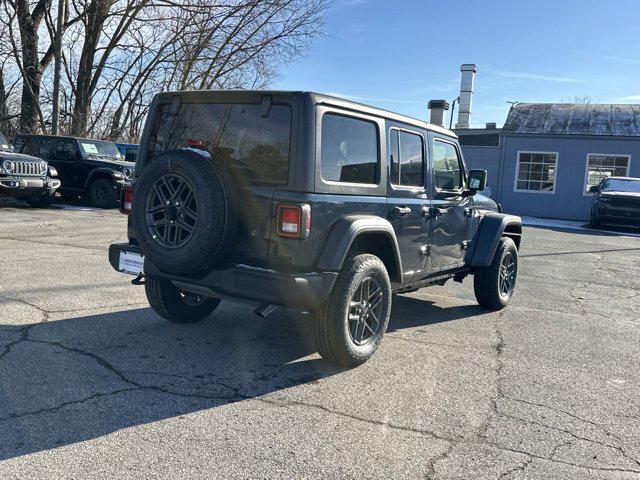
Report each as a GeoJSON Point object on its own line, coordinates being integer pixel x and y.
{"type": "Point", "coordinates": [176, 306]}
{"type": "Point", "coordinates": [103, 193]}
{"type": "Point", "coordinates": [350, 325]}
{"type": "Point", "coordinates": [494, 285]}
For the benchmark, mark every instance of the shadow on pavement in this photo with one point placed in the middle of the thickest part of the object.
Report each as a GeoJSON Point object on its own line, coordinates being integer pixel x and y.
{"type": "Point", "coordinates": [77, 379]}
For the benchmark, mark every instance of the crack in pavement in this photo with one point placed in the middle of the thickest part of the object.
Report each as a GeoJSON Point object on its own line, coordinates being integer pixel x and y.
{"type": "Point", "coordinates": [47, 313]}
{"type": "Point", "coordinates": [431, 469]}
{"type": "Point", "coordinates": [453, 440]}
{"type": "Point", "coordinates": [519, 468]}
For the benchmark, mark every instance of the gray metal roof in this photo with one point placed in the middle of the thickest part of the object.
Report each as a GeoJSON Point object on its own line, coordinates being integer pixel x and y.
{"type": "Point", "coordinates": [574, 119]}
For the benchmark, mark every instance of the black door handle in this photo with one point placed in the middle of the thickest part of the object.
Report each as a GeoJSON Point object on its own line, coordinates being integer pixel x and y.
{"type": "Point", "coordinates": [438, 211]}
{"type": "Point", "coordinates": [401, 210]}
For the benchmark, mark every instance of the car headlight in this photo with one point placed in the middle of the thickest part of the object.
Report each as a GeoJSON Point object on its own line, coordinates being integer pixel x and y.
{"type": "Point", "coordinates": [53, 171]}
{"type": "Point", "coordinates": [128, 173]}
{"type": "Point", "coordinates": [8, 166]}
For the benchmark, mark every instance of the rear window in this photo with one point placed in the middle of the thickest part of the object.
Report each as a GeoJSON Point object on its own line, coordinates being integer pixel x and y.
{"type": "Point", "coordinates": [254, 147]}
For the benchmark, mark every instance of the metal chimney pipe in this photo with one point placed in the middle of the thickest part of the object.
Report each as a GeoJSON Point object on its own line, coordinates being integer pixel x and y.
{"type": "Point", "coordinates": [466, 94]}
{"type": "Point", "coordinates": [438, 107]}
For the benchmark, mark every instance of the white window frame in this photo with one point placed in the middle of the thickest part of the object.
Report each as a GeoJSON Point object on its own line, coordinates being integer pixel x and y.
{"type": "Point", "coordinates": [555, 173]}
{"type": "Point", "coordinates": [586, 168]}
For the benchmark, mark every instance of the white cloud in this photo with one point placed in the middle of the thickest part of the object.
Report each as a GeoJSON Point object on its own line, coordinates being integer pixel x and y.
{"type": "Point", "coordinates": [629, 97]}
{"type": "Point", "coordinates": [531, 76]}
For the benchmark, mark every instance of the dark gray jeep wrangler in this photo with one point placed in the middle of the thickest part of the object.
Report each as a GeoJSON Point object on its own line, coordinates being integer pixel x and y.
{"type": "Point", "coordinates": [307, 201]}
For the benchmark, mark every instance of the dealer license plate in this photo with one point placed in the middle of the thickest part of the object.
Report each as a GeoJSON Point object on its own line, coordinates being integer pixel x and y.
{"type": "Point", "coordinates": [132, 263]}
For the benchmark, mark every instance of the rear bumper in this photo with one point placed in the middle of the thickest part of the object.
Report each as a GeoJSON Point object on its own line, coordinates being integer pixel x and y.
{"type": "Point", "coordinates": [27, 186]}
{"type": "Point", "coordinates": [304, 291]}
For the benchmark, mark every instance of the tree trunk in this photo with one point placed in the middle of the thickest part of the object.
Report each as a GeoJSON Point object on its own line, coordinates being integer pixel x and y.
{"type": "Point", "coordinates": [31, 68]}
{"type": "Point", "coordinates": [97, 12]}
{"type": "Point", "coordinates": [5, 124]}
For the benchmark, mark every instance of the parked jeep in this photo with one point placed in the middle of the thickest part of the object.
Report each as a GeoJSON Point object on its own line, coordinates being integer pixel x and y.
{"type": "Point", "coordinates": [311, 202]}
{"type": "Point", "coordinates": [616, 202]}
{"type": "Point", "coordinates": [91, 168]}
{"type": "Point", "coordinates": [25, 177]}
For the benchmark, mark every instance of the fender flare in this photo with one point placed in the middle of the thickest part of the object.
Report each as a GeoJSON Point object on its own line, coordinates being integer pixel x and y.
{"type": "Point", "coordinates": [103, 172]}
{"type": "Point", "coordinates": [344, 233]}
{"type": "Point", "coordinates": [491, 229]}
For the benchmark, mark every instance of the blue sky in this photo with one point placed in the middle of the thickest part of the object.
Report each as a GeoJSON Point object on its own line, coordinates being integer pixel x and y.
{"type": "Point", "coordinates": [398, 54]}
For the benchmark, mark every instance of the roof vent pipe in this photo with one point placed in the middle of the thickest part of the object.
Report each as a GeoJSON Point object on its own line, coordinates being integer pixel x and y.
{"type": "Point", "coordinates": [438, 107]}
{"type": "Point", "coordinates": [466, 94]}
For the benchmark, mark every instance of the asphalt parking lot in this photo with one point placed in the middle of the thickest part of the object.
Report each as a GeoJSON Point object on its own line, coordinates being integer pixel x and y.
{"type": "Point", "coordinates": [94, 385]}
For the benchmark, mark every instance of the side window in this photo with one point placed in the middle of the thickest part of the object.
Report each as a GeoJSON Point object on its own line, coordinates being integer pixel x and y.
{"type": "Point", "coordinates": [447, 167]}
{"type": "Point", "coordinates": [349, 150]}
{"type": "Point", "coordinates": [407, 159]}
{"type": "Point", "coordinates": [47, 148]}
{"type": "Point", "coordinates": [600, 167]}
{"type": "Point", "coordinates": [65, 150]}
{"type": "Point", "coordinates": [536, 172]}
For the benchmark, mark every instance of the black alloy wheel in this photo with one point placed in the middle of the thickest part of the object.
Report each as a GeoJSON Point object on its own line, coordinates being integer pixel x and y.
{"type": "Point", "coordinates": [507, 276]}
{"type": "Point", "coordinates": [172, 211]}
{"type": "Point", "coordinates": [103, 193]}
{"type": "Point", "coordinates": [365, 311]}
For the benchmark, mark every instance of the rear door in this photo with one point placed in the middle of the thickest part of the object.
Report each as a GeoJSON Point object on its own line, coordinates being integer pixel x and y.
{"type": "Point", "coordinates": [407, 201]}
{"type": "Point", "coordinates": [451, 208]}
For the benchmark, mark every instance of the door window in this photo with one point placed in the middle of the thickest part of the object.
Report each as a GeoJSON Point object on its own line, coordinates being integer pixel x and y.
{"type": "Point", "coordinates": [407, 159]}
{"type": "Point", "coordinates": [47, 148]}
{"type": "Point", "coordinates": [349, 150]}
{"type": "Point", "coordinates": [66, 151]}
{"type": "Point", "coordinates": [447, 166]}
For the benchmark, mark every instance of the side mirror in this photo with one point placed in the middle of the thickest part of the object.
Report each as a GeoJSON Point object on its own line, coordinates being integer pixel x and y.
{"type": "Point", "coordinates": [477, 180]}
{"type": "Point", "coordinates": [594, 189]}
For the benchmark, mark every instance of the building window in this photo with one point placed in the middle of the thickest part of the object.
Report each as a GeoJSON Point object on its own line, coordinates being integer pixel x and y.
{"type": "Point", "coordinates": [447, 166]}
{"type": "Point", "coordinates": [349, 150]}
{"type": "Point", "coordinates": [536, 172]}
{"type": "Point", "coordinates": [601, 166]}
{"type": "Point", "coordinates": [407, 159]}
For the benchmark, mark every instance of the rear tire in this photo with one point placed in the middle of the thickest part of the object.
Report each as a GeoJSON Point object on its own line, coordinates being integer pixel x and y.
{"type": "Point", "coordinates": [40, 201]}
{"type": "Point", "coordinates": [348, 336]}
{"type": "Point", "coordinates": [489, 283]}
{"type": "Point", "coordinates": [177, 306]}
{"type": "Point", "coordinates": [103, 193]}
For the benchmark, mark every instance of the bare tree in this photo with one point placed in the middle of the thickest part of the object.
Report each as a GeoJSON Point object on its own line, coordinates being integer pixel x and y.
{"type": "Point", "coordinates": [118, 53]}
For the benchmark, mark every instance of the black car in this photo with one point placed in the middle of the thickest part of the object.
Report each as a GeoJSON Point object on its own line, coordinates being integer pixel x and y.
{"type": "Point", "coordinates": [310, 202]}
{"type": "Point", "coordinates": [91, 168]}
{"type": "Point", "coordinates": [616, 202]}
{"type": "Point", "coordinates": [25, 177]}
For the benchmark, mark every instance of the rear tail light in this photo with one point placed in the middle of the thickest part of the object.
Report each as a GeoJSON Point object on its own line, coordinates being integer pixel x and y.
{"type": "Point", "coordinates": [294, 221]}
{"type": "Point", "coordinates": [195, 143]}
{"type": "Point", "coordinates": [126, 199]}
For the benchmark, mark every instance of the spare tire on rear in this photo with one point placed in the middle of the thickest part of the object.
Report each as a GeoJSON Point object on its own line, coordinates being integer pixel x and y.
{"type": "Point", "coordinates": [184, 213]}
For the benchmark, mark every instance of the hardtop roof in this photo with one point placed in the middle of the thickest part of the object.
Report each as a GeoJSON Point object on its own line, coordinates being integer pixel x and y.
{"type": "Point", "coordinates": [321, 98]}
